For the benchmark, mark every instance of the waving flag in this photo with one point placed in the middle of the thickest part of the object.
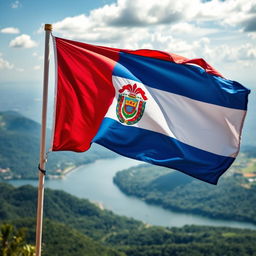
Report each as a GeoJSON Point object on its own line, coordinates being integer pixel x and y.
{"type": "Point", "coordinates": [148, 105]}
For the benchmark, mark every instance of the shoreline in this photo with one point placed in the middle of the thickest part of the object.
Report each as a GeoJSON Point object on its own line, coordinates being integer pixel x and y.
{"type": "Point", "coordinates": [57, 173]}
{"type": "Point", "coordinates": [62, 173]}
{"type": "Point", "coordinates": [103, 204]}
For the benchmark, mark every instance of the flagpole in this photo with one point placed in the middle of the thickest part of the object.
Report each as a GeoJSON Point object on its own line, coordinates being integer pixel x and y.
{"type": "Point", "coordinates": [42, 161]}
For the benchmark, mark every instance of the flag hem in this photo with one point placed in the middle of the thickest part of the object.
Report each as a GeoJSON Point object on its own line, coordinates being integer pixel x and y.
{"type": "Point", "coordinates": [55, 93]}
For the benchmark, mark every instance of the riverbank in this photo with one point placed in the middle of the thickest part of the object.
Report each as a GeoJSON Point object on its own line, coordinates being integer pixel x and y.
{"type": "Point", "coordinates": [229, 200]}
{"type": "Point", "coordinates": [61, 173]}
{"type": "Point", "coordinates": [95, 182]}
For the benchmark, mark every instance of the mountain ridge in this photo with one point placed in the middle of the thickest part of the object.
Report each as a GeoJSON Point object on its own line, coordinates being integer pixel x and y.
{"type": "Point", "coordinates": [74, 226]}
{"type": "Point", "coordinates": [19, 149]}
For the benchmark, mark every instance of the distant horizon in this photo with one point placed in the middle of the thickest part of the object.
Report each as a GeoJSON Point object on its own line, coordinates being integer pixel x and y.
{"type": "Point", "coordinates": [33, 110]}
{"type": "Point", "coordinates": [193, 29]}
{"type": "Point", "coordinates": [223, 33]}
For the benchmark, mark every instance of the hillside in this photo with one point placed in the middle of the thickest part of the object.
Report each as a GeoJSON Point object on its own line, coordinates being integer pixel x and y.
{"type": "Point", "coordinates": [62, 207]}
{"type": "Point", "coordinates": [19, 149]}
{"type": "Point", "coordinates": [72, 226]}
{"type": "Point", "coordinates": [62, 240]}
{"type": "Point", "coordinates": [233, 198]}
{"type": "Point", "coordinates": [75, 227]}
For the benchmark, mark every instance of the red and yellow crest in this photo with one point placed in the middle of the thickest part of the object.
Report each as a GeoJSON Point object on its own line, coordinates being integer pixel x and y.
{"type": "Point", "coordinates": [131, 104]}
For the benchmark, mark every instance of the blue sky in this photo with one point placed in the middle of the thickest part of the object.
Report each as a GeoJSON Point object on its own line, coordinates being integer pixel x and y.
{"type": "Point", "coordinates": [221, 32]}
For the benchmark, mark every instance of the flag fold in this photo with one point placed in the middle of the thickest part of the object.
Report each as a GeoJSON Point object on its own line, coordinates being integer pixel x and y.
{"type": "Point", "coordinates": [149, 105]}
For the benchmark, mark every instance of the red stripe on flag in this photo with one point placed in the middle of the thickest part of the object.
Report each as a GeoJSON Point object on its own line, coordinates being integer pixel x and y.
{"type": "Point", "coordinates": [172, 57]}
{"type": "Point", "coordinates": [84, 92]}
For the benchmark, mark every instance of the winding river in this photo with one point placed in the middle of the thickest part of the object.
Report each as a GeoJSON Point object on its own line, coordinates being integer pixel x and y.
{"type": "Point", "coordinates": [94, 182]}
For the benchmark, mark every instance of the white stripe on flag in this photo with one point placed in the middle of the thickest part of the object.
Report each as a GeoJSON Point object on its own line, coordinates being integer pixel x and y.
{"type": "Point", "coordinates": [202, 125]}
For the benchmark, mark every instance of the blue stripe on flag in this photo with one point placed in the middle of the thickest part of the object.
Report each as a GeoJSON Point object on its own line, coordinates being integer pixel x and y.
{"type": "Point", "coordinates": [161, 150]}
{"type": "Point", "coordinates": [187, 80]}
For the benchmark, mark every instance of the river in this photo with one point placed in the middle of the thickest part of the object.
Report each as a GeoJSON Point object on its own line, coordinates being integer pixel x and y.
{"type": "Point", "coordinates": [94, 182]}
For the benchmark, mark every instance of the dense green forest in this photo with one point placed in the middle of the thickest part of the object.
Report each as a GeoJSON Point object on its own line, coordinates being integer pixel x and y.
{"type": "Point", "coordinates": [72, 226]}
{"type": "Point", "coordinates": [75, 227]}
{"type": "Point", "coordinates": [233, 198]}
{"type": "Point", "coordinates": [19, 149]}
{"type": "Point", "coordinates": [186, 241]}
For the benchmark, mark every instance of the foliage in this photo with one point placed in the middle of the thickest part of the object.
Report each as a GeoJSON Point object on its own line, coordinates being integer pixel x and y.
{"type": "Point", "coordinates": [75, 226]}
{"type": "Point", "coordinates": [62, 240]}
{"type": "Point", "coordinates": [19, 148]}
{"type": "Point", "coordinates": [62, 207]}
{"type": "Point", "coordinates": [72, 225]}
{"type": "Point", "coordinates": [69, 221]}
{"type": "Point", "coordinates": [189, 240]}
{"type": "Point", "coordinates": [13, 242]}
{"type": "Point", "coordinates": [230, 199]}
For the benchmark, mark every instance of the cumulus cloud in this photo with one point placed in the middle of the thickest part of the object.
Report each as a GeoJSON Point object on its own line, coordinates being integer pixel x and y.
{"type": "Point", "coordinates": [23, 41]}
{"type": "Point", "coordinates": [127, 13]}
{"type": "Point", "coordinates": [185, 29]}
{"type": "Point", "coordinates": [245, 53]}
{"type": "Point", "coordinates": [10, 30]}
{"type": "Point", "coordinates": [192, 28]}
{"type": "Point", "coordinates": [113, 20]}
{"type": "Point", "coordinates": [4, 64]}
{"type": "Point", "coordinates": [36, 55]}
{"type": "Point", "coordinates": [16, 4]}
{"type": "Point", "coordinates": [37, 67]}
{"type": "Point", "coordinates": [241, 13]}
{"type": "Point", "coordinates": [20, 69]}
{"type": "Point", "coordinates": [250, 24]}
{"type": "Point", "coordinates": [252, 35]}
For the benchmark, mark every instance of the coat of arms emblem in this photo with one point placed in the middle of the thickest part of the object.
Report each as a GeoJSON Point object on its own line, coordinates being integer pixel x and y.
{"type": "Point", "coordinates": [131, 104]}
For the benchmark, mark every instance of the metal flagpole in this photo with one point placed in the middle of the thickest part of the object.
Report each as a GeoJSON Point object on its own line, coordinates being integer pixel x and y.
{"type": "Point", "coordinates": [42, 161]}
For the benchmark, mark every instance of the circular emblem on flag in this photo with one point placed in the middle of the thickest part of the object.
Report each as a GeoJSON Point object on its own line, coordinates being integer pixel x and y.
{"type": "Point", "coordinates": [131, 104]}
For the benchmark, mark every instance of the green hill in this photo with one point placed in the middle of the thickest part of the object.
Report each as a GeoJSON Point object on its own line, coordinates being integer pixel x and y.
{"type": "Point", "coordinates": [72, 226]}
{"type": "Point", "coordinates": [62, 240]}
{"type": "Point", "coordinates": [62, 207]}
{"type": "Point", "coordinates": [75, 227]}
{"type": "Point", "coordinates": [233, 198]}
{"type": "Point", "coordinates": [186, 241]}
{"type": "Point", "coordinates": [19, 149]}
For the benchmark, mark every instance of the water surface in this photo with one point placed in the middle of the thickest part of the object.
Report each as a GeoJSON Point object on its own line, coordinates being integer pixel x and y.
{"type": "Point", "coordinates": [95, 182]}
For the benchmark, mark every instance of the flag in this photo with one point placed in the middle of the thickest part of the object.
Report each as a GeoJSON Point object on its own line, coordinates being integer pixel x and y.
{"type": "Point", "coordinates": [149, 105]}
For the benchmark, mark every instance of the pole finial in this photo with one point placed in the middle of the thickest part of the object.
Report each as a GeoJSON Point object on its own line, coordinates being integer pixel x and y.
{"type": "Point", "coordinates": [48, 27]}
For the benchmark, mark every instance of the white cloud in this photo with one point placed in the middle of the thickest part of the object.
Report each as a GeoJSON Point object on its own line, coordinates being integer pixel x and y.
{"type": "Point", "coordinates": [129, 23]}
{"type": "Point", "coordinates": [36, 55]}
{"type": "Point", "coordinates": [23, 41]}
{"type": "Point", "coordinates": [234, 13]}
{"type": "Point", "coordinates": [4, 64]}
{"type": "Point", "coordinates": [37, 67]}
{"type": "Point", "coordinates": [214, 30]}
{"type": "Point", "coordinates": [10, 30]}
{"type": "Point", "coordinates": [104, 24]}
{"type": "Point", "coordinates": [184, 29]}
{"type": "Point", "coordinates": [244, 54]}
{"type": "Point", "coordinates": [127, 14]}
{"type": "Point", "coordinates": [20, 69]}
{"type": "Point", "coordinates": [16, 4]}
{"type": "Point", "coordinates": [252, 35]}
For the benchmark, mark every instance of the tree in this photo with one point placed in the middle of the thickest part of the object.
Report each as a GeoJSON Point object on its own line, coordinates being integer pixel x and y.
{"type": "Point", "coordinates": [12, 242]}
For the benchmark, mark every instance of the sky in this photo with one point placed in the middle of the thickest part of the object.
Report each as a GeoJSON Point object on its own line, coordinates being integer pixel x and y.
{"type": "Point", "coordinates": [221, 32]}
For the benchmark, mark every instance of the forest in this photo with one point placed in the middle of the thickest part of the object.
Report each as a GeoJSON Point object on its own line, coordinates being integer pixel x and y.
{"type": "Point", "coordinates": [233, 198]}
{"type": "Point", "coordinates": [74, 226]}
{"type": "Point", "coordinates": [19, 149]}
